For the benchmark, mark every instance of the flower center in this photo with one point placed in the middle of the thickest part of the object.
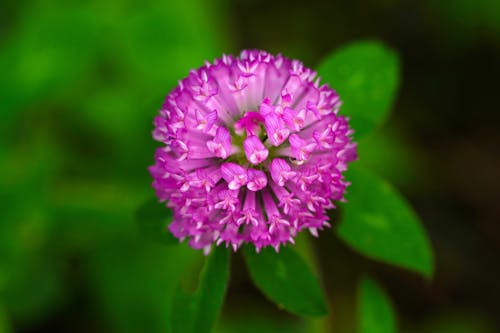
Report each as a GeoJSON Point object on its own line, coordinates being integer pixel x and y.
{"type": "Point", "coordinates": [250, 123]}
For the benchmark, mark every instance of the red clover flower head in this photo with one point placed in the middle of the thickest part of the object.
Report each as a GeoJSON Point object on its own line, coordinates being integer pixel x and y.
{"type": "Point", "coordinates": [254, 150]}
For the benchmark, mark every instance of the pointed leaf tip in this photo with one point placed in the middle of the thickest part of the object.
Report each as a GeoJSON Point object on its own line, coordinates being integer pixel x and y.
{"type": "Point", "coordinates": [378, 222]}
{"type": "Point", "coordinates": [366, 76]}
{"type": "Point", "coordinates": [375, 311]}
{"type": "Point", "coordinates": [199, 312]}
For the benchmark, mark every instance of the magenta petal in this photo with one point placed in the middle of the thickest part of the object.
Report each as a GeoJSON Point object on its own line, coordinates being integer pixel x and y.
{"type": "Point", "coordinates": [301, 149]}
{"type": "Point", "coordinates": [281, 171]}
{"type": "Point", "coordinates": [234, 175]}
{"type": "Point", "coordinates": [220, 146]}
{"type": "Point", "coordinates": [257, 180]}
{"type": "Point", "coordinates": [275, 128]}
{"type": "Point", "coordinates": [255, 150]}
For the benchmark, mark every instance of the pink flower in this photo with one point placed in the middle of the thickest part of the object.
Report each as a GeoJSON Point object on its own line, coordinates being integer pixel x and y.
{"type": "Point", "coordinates": [254, 151]}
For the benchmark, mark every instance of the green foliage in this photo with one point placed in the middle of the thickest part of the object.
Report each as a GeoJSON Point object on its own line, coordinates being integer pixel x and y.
{"type": "Point", "coordinates": [156, 45]}
{"type": "Point", "coordinates": [251, 322]}
{"type": "Point", "coordinates": [31, 299]}
{"type": "Point", "coordinates": [153, 219]}
{"type": "Point", "coordinates": [80, 85]}
{"type": "Point", "coordinates": [378, 222]}
{"type": "Point", "coordinates": [210, 295]}
{"type": "Point", "coordinates": [453, 321]}
{"type": "Point", "coordinates": [4, 324]}
{"type": "Point", "coordinates": [475, 17]}
{"type": "Point", "coordinates": [198, 313]}
{"type": "Point", "coordinates": [43, 56]}
{"type": "Point", "coordinates": [30, 282]}
{"type": "Point", "coordinates": [366, 76]}
{"type": "Point", "coordinates": [183, 312]}
{"type": "Point", "coordinates": [286, 279]}
{"type": "Point", "coordinates": [406, 167]}
{"type": "Point", "coordinates": [134, 283]}
{"type": "Point", "coordinates": [375, 312]}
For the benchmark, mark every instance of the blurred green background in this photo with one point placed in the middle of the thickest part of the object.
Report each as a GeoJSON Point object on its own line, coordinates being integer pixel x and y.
{"type": "Point", "coordinates": [80, 82]}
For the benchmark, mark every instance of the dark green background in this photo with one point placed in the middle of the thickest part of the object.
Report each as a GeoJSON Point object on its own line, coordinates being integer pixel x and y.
{"type": "Point", "coordinates": [80, 82]}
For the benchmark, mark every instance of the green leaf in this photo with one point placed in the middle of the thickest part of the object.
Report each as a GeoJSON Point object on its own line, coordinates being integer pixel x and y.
{"type": "Point", "coordinates": [153, 219]}
{"type": "Point", "coordinates": [212, 290]}
{"type": "Point", "coordinates": [378, 222]}
{"type": "Point", "coordinates": [198, 313]}
{"type": "Point", "coordinates": [366, 76]}
{"type": "Point", "coordinates": [375, 311]}
{"type": "Point", "coordinates": [286, 279]}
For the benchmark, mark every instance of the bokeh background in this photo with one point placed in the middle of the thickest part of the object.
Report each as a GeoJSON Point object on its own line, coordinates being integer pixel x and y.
{"type": "Point", "coordinates": [80, 82]}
